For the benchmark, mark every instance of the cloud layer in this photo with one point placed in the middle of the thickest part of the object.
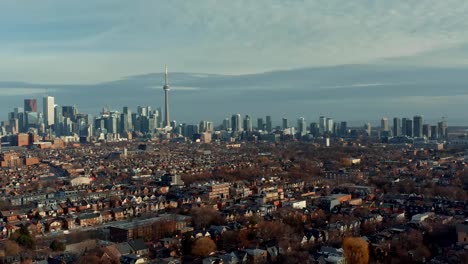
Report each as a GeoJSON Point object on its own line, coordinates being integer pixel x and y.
{"type": "Point", "coordinates": [88, 41]}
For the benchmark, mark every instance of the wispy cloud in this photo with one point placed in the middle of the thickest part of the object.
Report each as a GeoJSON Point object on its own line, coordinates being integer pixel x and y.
{"type": "Point", "coordinates": [85, 41]}
{"type": "Point", "coordinates": [16, 91]}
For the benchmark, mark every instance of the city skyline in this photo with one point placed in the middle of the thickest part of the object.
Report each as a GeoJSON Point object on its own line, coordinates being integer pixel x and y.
{"type": "Point", "coordinates": [288, 58]}
{"type": "Point", "coordinates": [295, 58]}
{"type": "Point", "coordinates": [53, 114]}
{"type": "Point", "coordinates": [196, 102]}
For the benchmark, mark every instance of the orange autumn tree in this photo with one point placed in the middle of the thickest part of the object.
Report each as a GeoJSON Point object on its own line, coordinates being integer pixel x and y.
{"type": "Point", "coordinates": [203, 246]}
{"type": "Point", "coordinates": [356, 250]}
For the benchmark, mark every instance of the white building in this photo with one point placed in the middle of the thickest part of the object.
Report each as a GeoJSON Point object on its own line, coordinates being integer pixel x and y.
{"type": "Point", "coordinates": [48, 110]}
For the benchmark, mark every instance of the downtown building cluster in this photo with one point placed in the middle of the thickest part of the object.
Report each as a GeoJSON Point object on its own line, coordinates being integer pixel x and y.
{"type": "Point", "coordinates": [66, 122]}
{"type": "Point", "coordinates": [414, 128]}
{"type": "Point", "coordinates": [55, 121]}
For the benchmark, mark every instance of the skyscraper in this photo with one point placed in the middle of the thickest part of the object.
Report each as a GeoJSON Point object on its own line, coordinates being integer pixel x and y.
{"type": "Point", "coordinates": [384, 124]}
{"type": "Point", "coordinates": [418, 126]}
{"type": "Point", "coordinates": [368, 128]}
{"type": "Point", "coordinates": [343, 128]}
{"type": "Point", "coordinates": [285, 123]}
{"type": "Point", "coordinates": [48, 110]}
{"type": "Point", "coordinates": [30, 105]}
{"type": "Point", "coordinates": [167, 120]}
{"type": "Point", "coordinates": [58, 120]}
{"type": "Point", "coordinates": [403, 126]}
{"type": "Point", "coordinates": [427, 131]}
{"type": "Point", "coordinates": [301, 126]}
{"type": "Point", "coordinates": [236, 123]}
{"type": "Point", "coordinates": [247, 123]}
{"type": "Point", "coordinates": [314, 129]}
{"type": "Point", "coordinates": [409, 128]}
{"type": "Point", "coordinates": [434, 132]}
{"type": "Point", "coordinates": [322, 124]}
{"type": "Point", "coordinates": [442, 129]}
{"type": "Point", "coordinates": [142, 110]}
{"type": "Point", "coordinates": [329, 125]}
{"type": "Point", "coordinates": [260, 124]}
{"type": "Point", "coordinates": [396, 127]}
{"type": "Point", "coordinates": [269, 124]}
{"type": "Point", "coordinates": [126, 120]}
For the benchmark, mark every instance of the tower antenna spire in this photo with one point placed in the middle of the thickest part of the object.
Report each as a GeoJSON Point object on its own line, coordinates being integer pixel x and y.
{"type": "Point", "coordinates": [165, 74]}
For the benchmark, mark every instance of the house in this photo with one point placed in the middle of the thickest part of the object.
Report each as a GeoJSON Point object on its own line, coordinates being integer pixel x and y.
{"type": "Point", "coordinates": [35, 228]}
{"type": "Point", "coordinates": [138, 247]}
{"type": "Point", "coordinates": [118, 213]}
{"type": "Point", "coordinates": [109, 254]}
{"type": "Point", "coordinates": [124, 248]}
{"type": "Point", "coordinates": [69, 223]}
{"type": "Point", "coordinates": [10, 216]}
{"type": "Point", "coordinates": [53, 225]}
{"type": "Point", "coordinates": [89, 219]}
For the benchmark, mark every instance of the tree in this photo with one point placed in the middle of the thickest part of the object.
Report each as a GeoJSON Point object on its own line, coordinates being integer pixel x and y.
{"type": "Point", "coordinates": [11, 248]}
{"type": "Point", "coordinates": [229, 240]}
{"type": "Point", "coordinates": [24, 238]}
{"type": "Point", "coordinates": [203, 246]}
{"type": "Point", "coordinates": [205, 216]}
{"type": "Point", "coordinates": [356, 250]}
{"type": "Point", "coordinates": [57, 246]}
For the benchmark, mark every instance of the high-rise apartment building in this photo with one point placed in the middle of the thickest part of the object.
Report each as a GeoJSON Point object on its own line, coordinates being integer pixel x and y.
{"type": "Point", "coordinates": [384, 124]}
{"type": "Point", "coordinates": [434, 132]}
{"type": "Point", "coordinates": [322, 124]}
{"type": "Point", "coordinates": [368, 129]}
{"type": "Point", "coordinates": [329, 125]}
{"type": "Point", "coordinates": [227, 124]}
{"type": "Point", "coordinates": [285, 123]}
{"type": "Point", "coordinates": [409, 127]}
{"type": "Point", "coordinates": [269, 124]}
{"type": "Point", "coordinates": [314, 129]}
{"type": "Point", "coordinates": [418, 126]}
{"type": "Point", "coordinates": [260, 124]}
{"type": "Point", "coordinates": [301, 126]}
{"type": "Point", "coordinates": [236, 123]}
{"type": "Point", "coordinates": [343, 128]}
{"type": "Point", "coordinates": [396, 127]}
{"type": "Point", "coordinates": [247, 123]}
{"type": "Point", "coordinates": [442, 129]}
{"type": "Point", "coordinates": [426, 131]}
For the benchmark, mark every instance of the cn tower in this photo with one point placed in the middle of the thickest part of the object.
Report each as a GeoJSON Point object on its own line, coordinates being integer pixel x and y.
{"type": "Point", "coordinates": [166, 89]}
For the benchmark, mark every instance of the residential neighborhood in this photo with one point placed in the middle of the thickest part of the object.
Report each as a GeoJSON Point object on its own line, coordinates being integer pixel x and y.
{"type": "Point", "coordinates": [260, 202]}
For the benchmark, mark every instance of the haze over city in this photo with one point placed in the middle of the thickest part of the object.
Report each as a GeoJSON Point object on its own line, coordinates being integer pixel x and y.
{"type": "Point", "coordinates": [233, 132]}
{"type": "Point", "coordinates": [355, 60]}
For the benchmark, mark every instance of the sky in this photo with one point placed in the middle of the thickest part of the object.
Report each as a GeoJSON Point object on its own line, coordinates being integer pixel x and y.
{"type": "Point", "coordinates": [54, 41]}
{"type": "Point", "coordinates": [86, 42]}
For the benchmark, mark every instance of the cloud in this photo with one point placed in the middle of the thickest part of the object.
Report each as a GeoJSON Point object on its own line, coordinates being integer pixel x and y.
{"type": "Point", "coordinates": [16, 91]}
{"type": "Point", "coordinates": [87, 41]}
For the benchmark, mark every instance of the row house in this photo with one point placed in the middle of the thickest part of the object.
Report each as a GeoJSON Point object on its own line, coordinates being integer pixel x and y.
{"type": "Point", "coordinates": [89, 219]}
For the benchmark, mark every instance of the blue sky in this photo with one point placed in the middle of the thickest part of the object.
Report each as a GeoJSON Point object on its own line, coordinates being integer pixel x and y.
{"type": "Point", "coordinates": [88, 41]}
